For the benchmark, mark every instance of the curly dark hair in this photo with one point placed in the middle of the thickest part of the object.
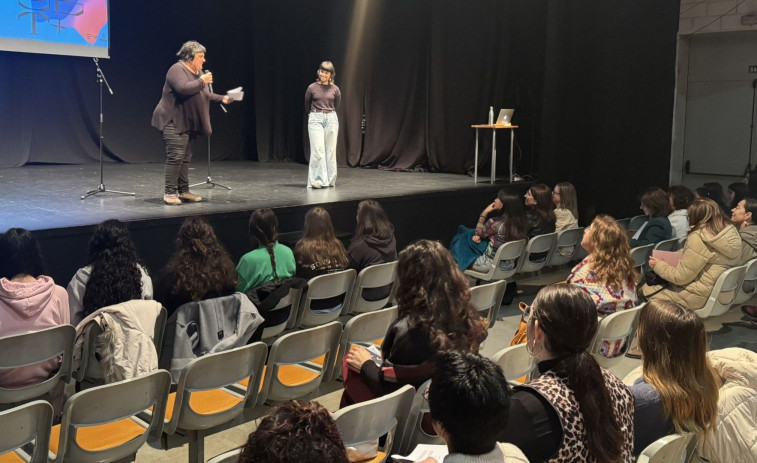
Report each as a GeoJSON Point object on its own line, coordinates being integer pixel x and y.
{"type": "Point", "coordinates": [115, 275]}
{"type": "Point", "coordinates": [433, 293]}
{"type": "Point", "coordinates": [297, 431]}
{"type": "Point", "coordinates": [21, 254]}
{"type": "Point", "coordinates": [200, 264]}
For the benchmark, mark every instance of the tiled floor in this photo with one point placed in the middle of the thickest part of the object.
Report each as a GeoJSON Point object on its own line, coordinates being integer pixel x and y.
{"type": "Point", "coordinates": [720, 328]}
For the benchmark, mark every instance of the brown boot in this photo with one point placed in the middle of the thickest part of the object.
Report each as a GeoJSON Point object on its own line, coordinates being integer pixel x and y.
{"type": "Point", "coordinates": [189, 197]}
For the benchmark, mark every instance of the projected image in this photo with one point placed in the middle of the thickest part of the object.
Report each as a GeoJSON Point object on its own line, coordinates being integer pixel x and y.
{"type": "Point", "coordinates": [77, 27]}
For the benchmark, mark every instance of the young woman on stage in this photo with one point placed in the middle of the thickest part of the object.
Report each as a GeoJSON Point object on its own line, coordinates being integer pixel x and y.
{"type": "Point", "coordinates": [183, 112]}
{"type": "Point", "coordinates": [321, 102]}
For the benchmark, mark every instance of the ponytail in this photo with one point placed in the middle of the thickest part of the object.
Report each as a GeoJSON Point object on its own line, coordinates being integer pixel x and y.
{"type": "Point", "coordinates": [269, 247]}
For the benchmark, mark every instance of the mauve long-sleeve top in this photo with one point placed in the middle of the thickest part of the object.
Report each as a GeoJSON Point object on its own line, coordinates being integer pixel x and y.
{"type": "Point", "coordinates": [185, 101]}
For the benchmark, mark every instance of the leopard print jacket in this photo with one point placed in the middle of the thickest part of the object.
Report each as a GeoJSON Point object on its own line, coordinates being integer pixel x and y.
{"type": "Point", "coordinates": [573, 448]}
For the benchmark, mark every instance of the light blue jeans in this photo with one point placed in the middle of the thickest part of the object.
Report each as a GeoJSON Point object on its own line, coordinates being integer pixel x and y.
{"type": "Point", "coordinates": [322, 130]}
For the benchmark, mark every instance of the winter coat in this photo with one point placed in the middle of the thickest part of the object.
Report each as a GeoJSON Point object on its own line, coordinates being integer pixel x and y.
{"type": "Point", "coordinates": [655, 230]}
{"type": "Point", "coordinates": [27, 307]}
{"type": "Point", "coordinates": [704, 258]}
{"type": "Point", "coordinates": [748, 243]}
{"type": "Point", "coordinates": [126, 345]}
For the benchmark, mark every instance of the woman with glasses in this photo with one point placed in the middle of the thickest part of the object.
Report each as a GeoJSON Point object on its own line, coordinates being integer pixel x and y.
{"type": "Point", "coordinates": [574, 411]}
{"type": "Point", "coordinates": [321, 102]}
{"type": "Point", "coordinates": [566, 206]}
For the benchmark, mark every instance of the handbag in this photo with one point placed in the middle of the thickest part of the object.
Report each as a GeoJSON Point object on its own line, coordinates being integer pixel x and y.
{"type": "Point", "coordinates": [520, 334]}
{"type": "Point", "coordinates": [653, 279]}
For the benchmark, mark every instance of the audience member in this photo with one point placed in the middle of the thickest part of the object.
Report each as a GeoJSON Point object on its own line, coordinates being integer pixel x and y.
{"type": "Point", "coordinates": [271, 260]}
{"type": "Point", "coordinates": [199, 268]}
{"type": "Point", "coordinates": [607, 274]}
{"type": "Point", "coordinates": [112, 275]}
{"type": "Point", "coordinates": [469, 402]}
{"type": "Point", "coordinates": [566, 206]}
{"type": "Point", "coordinates": [434, 314]}
{"type": "Point", "coordinates": [319, 251]}
{"type": "Point", "coordinates": [736, 192]}
{"type": "Point", "coordinates": [29, 301]}
{"type": "Point", "coordinates": [680, 199]}
{"type": "Point", "coordinates": [374, 241]}
{"type": "Point", "coordinates": [574, 411]}
{"type": "Point", "coordinates": [656, 205]}
{"type": "Point", "coordinates": [540, 214]}
{"type": "Point", "coordinates": [297, 431]}
{"type": "Point", "coordinates": [714, 191]}
{"type": "Point", "coordinates": [743, 216]}
{"type": "Point", "coordinates": [713, 245]}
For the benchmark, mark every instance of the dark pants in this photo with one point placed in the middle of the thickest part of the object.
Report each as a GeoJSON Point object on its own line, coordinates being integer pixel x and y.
{"type": "Point", "coordinates": [178, 155]}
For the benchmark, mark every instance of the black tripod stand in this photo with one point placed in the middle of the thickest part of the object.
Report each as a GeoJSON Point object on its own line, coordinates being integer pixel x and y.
{"type": "Point", "coordinates": [101, 187]}
{"type": "Point", "coordinates": [209, 181]}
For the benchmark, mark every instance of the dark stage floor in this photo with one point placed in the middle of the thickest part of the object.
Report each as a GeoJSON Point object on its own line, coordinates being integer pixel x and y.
{"type": "Point", "coordinates": [47, 197]}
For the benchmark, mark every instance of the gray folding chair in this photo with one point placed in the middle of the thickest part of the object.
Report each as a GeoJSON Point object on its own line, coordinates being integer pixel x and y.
{"type": "Point", "coordinates": [636, 222]}
{"type": "Point", "coordinates": [415, 433]}
{"type": "Point", "coordinates": [291, 300]}
{"type": "Point", "coordinates": [232, 456]}
{"type": "Point", "coordinates": [374, 276]}
{"type": "Point", "coordinates": [101, 423]}
{"type": "Point", "coordinates": [748, 288]}
{"type": "Point", "coordinates": [516, 363]}
{"type": "Point", "coordinates": [506, 262]}
{"type": "Point", "coordinates": [613, 337]}
{"type": "Point", "coordinates": [624, 222]}
{"type": "Point", "coordinates": [567, 246]}
{"type": "Point", "coordinates": [667, 245]}
{"type": "Point", "coordinates": [26, 349]}
{"type": "Point", "coordinates": [541, 244]}
{"type": "Point", "coordinates": [723, 293]}
{"type": "Point", "coordinates": [370, 420]}
{"type": "Point", "coordinates": [675, 448]}
{"type": "Point", "coordinates": [22, 425]}
{"type": "Point", "coordinates": [326, 287]}
{"type": "Point", "coordinates": [203, 403]}
{"type": "Point", "coordinates": [364, 329]}
{"type": "Point", "coordinates": [487, 299]}
{"type": "Point", "coordinates": [640, 256]}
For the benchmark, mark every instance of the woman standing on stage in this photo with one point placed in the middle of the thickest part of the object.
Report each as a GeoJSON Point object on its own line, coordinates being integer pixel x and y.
{"type": "Point", "coordinates": [321, 102]}
{"type": "Point", "coordinates": [182, 113]}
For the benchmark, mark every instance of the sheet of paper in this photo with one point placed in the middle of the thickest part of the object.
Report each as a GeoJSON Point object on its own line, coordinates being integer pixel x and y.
{"type": "Point", "coordinates": [423, 451]}
{"type": "Point", "coordinates": [375, 352]}
{"type": "Point", "coordinates": [236, 93]}
{"type": "Point", "coordinates": [669, 257]}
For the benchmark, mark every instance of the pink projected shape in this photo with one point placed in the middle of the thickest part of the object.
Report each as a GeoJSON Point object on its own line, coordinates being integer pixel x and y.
{"type": "Point", "coordinates": [91, 22]}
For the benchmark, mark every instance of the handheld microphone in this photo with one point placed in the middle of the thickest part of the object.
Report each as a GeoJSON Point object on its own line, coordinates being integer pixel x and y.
{"type": "Point", "coordinates": [210, 87]}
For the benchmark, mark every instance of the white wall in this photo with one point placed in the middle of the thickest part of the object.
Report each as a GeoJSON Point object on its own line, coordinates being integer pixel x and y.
{"type": "Point", "coordinates": [698, 16]}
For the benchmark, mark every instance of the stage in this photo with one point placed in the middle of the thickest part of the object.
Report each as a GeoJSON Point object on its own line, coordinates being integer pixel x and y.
{"type": "Point", "coordinates": [47, 199]}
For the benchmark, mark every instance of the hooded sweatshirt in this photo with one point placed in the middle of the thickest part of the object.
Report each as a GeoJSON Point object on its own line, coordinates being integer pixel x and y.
{"type": "Point", "coordinates": [27, 307]}
{"type": "Point", "coordinates": [371, 250]}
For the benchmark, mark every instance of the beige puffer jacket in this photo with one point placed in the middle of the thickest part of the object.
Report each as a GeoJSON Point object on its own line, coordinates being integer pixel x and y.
{"type": "Point", "coordinates": [704, 258]}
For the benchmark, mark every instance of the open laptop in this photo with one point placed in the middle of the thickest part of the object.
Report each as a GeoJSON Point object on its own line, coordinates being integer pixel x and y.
{"type": "Point", "coordinates": [505, 117]}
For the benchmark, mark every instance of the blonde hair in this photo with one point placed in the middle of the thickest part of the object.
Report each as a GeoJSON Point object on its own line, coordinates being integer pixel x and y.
{"type": "Point", "coordinates": [611, 252]}
{"type": "Point", "coordinates": [568, 198]}
{"type": "Point", "coordinates": [705, 214]}
{"type": "Point", "coordinates": [674, 346]}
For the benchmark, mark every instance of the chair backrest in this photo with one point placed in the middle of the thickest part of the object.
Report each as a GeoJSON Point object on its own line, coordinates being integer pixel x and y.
{"type": "Point", "coordinates": [374, 276]}
{"type": "Point", "coordinates": [624, 222]}
{"type": "Point", "coordinates": [667, 245]}
{"type": "Point", "coordinates": [367, 421]}
{"type": "Point", "coordinates": [232, 456]}
{"type": "Point", "coordinates": [326, 286]}
{"type": "Point", "coordinates": [506, 262]}
{"type": "Point", "coordinates": [640, 256]}
{"type": "Point", "coordinates": [26, 349]}
{"type": "Point", "coordinates": [748, 287]}
{"type": "Point", "coordinates": [669, 449]}
{"type": "Point", "coordinates": [723, 293]}
{"type": "Point", "coordinates": [539, 244]}
{"type": "Point", "coordinates": [299, 361]}
{"type": "Point", "coordinates": [291, 300]}
{"type": "Point", "coordinates": [636, 222]}
{"type": "Point", "coordinates": [201, 402]}
{"type": "Point", "coordinates": [614, 335]}
{"type": "Point", "coordinates": [23, 424]}
{"type": "Point", "coordinates": [98, 423]}
{"type": "Point", "coordinates": [566, 247]}
{"type": "Point", "coordinates": [487, 299]}
{"type": "Point", "coordinates": [516, 363]}
{"type": "Point", "coordinates": [414, 432]}
{"type": "Point", "coordinates": [366, 328]}
{"type": "Point", "coordinates": [160, 330]}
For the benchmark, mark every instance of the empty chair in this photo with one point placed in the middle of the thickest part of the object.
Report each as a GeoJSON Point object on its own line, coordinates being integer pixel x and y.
{"type": "Point", "coordinates": [487, 299]}
{"type": "Point", "coordinates": [667, 245]}
{"type": "Point", "coordinates": [202, 404]}
{"type": "Point", "coordinates": [614, 336]}
{"type": "Point", "coordinates": [373, 277]}
{"type": "Point", "coordinates": [299, 361]}
{"type": "Point", "coordinates": [669, 449]}
{"type": "Point", "coordinates": [640, 256]}
{"type": "Point", "coordinates": [22, 425]}
{"type": "Point", "coordinates": [567, 246]}
{"type": "Point", "coordinates": [624, 222]}
{"type": "Point", "coordinates": [506, 262]}
{"type": "Point", "coordinates": [23, 350]}
{"type": "Point", "coordinates": [370, 420]}
{"type": "Point", "coordinates": [538, 245]}
{"type": "Point", "coordinates": [517, 364]}
{"type": "Point", "coordinates": [636, 222]}
{"type": "Point", "coordinates": [364, 329]}
{"type": "Point", "coordinates": [100, 424]}
{"type": "Point", "coordinates": [328, 286]}
{"type": "Point", "coordinates": [748, 287]}
{"type": "Point", "coordinates": [723, 293]}
{"type": "Point", "coordinates": [419, 429]}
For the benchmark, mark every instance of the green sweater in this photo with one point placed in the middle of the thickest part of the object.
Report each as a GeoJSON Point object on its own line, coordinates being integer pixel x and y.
{"type": "Point", "coordinates": [254, 268]}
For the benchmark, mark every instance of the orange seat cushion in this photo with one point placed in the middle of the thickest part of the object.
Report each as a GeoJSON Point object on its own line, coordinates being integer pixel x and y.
{"type": "Point", "coordinates": [102, 436]}
{"type": "Point", "coordinates": [11, 457]}
{"type": "Point", "coordinates": [378, 458]}
{"type": "Point", "coordinates": [205, 402]}
{"type": "Point", "coordinates": [295, 375]}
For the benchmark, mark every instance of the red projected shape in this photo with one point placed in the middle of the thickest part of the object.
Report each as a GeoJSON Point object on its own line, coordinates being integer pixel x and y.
{"type": "Point", "coordinates": [94, 18]}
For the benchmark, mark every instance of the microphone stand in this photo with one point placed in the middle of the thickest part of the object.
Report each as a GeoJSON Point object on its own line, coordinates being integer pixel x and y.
{"type": "Point", "coordinates": [209, 180]}
{"type": "Point", "coordinates": [101, 187]}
